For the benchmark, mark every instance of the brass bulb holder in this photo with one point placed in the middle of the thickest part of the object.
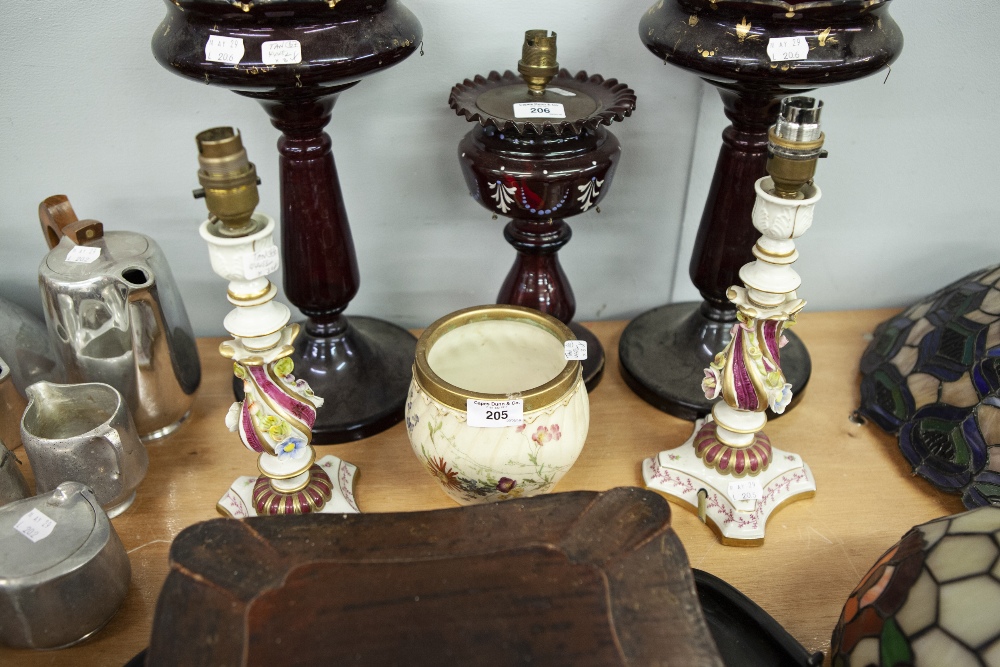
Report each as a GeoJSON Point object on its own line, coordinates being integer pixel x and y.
{"type": "Point", "coordinates": [795, 144]}
{"type": "Point", "coordinates": [229, 182]}
{"type": "Point", "coordinates": [538, 60]}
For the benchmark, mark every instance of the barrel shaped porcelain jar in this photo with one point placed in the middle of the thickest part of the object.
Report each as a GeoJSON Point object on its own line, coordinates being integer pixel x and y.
{"type": "Point", "coordinates": [495, 354]}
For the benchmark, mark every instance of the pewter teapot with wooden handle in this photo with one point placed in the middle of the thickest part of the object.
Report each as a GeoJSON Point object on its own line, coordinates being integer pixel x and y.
{"type": "Point", "coordinates": [115, 316]}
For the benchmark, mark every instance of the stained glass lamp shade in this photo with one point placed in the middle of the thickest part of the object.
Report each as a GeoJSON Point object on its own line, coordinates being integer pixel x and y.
{"type": "Point", "coordinates": [932, 375]}
{"type": "Point", "coordinates": [932, 599]}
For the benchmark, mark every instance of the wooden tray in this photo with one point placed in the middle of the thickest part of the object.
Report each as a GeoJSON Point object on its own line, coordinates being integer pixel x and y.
{"type": "Point", "coordinates": [578, 578]}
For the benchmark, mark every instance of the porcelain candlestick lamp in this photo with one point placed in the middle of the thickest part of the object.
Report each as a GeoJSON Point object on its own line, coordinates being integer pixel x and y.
{"type": "Point", "coordinates": [728, 468]}
{"type": "Point", "coordinates": [277, 413]}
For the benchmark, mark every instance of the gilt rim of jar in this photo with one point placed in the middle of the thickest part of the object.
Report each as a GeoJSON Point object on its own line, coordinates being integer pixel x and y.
{"type": "Point", "coordinates": [535, 398]}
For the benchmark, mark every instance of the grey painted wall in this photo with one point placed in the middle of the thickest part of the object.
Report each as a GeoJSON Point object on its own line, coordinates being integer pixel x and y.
{"type": "Point", "coordinates": [86, 111]}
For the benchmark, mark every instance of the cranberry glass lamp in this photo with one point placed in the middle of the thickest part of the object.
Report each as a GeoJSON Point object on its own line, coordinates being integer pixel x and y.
{"type": "Point", "coordinates": [539, 154]}
{"type": "Point", "coordinates": [754, 52]}
{"type": "Point", "coordinates": [295, 58]}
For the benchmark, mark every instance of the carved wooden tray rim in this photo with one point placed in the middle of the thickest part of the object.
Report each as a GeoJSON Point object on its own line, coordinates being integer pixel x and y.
{"type": "Point", "coordinates": [220, 567]}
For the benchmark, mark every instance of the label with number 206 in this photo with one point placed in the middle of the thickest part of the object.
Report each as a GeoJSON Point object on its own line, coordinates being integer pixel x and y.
{"type": "Point", "coordinates": [494, 414]}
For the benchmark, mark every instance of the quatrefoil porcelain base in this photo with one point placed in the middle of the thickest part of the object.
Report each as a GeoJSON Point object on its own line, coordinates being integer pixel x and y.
{"type": "Point", "coordinates": [238, 503]}
{"type": "Point", "coordinates": [681, 475]}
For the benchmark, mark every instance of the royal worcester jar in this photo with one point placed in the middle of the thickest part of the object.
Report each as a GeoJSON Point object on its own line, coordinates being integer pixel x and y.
{"type": "Point", "coordinates": [496, 354]}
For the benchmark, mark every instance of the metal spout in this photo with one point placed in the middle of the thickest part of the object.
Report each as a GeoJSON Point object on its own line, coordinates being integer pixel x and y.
{"type": "Point", "coordinates": [794, 144]}
{"type": "Point", "coordinates": [538, 60]}
{"type": "Point", "coordinates": [229, 182]}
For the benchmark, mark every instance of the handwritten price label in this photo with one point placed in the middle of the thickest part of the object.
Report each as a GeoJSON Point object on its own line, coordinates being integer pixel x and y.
{"type": "Point", "coordinates": [261, 263]}
{"type": "Point", "coordinates": [539, 110]}
{"type": "Point", "coordinates": [35, 525]}
{"type": "Point", "coordinates": [575, 350]}
{"type": "Point", "coordinates": [494, 414]}
{"type": "Point", "coordinates": [83, 254]}
{"type": "Point", "coordinates": [284, 52]}
{"type": "Point", "coordinates": [747, 489]}
{"type": "Point", "coordinates": [780, 49]}
{"type": "Point", "coordinates": [221, 49]}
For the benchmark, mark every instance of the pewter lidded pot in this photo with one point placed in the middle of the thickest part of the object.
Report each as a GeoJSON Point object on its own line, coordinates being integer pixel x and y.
{"type": "Point", "coordinates": [115, 316]}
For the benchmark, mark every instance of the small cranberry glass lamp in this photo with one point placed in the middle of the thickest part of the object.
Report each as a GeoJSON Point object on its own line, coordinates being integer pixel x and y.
{"type": "Point", "coordinates": [755, 52]}
{"type": "Point", "coordinates": [539, 154]}
{"type": "Point", "coordinates": [277, 413]}
{"type": "Point", "coordinates": [295, 58]}
{"type": "Point", "coordinates": [728, 468]}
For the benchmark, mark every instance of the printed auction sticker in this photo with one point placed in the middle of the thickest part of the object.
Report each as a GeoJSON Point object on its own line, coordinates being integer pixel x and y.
{"type": "Point", "coordinates": [261, 263]}
{"type": "Point", "coordinates": [575, 350]}
{"type": "Point", "coordinates": [495, 414]}
{"type": "Point", "coordinates": [747, 489]}
{"type": "Point", "coordinates": [221, 49]}
{"type": "Point", "coordinates": [83, 254]}
{"type": "Point", "coordinates": [539, 110]}
{"type": "Point", "coordinates": [35, 525]}
{"type": "Point", "coordinates": [780, 49]}
{"type": "Point", "coordinates": [284, 52]}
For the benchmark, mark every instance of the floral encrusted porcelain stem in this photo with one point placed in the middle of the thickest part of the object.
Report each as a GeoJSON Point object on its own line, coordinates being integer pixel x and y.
{"type": "Point", "coordinates": [277, 414]}
{"type": "Point", "coordinates": [728, 468]}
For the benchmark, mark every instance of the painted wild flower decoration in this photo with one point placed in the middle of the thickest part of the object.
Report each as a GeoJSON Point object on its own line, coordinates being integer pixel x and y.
{"type": "Point", "coordinates": [440, 469]}
{"type": "Point", "coordinates": [546, 433]}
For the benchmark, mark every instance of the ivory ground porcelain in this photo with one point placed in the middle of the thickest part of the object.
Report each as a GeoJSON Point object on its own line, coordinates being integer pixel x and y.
{"type": "Point", "coordinates": [496, 353]}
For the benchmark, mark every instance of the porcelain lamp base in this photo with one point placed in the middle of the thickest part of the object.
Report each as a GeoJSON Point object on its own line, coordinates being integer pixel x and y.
{"type": "Point", "coordinates": [238, 502]}
{"type": "Point", "coordinates": [681, 476]}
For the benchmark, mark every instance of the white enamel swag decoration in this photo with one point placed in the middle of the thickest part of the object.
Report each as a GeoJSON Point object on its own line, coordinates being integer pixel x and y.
{"type": "Point", "coordinates": [591, 191]}
{"type": "Point", "coordinates": [503, 195]}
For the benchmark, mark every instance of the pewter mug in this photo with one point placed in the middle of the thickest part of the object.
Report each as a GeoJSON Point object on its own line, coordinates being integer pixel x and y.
{"type": "Point", "coordinates": [84, 433]}
{"type": "Point", "coordinates": [26, 348]}
{"type": "Point", "coordinates": [12, 484]}
{"type": "Point", "coordinates": [63, 569]}
{"type": "Point", "coordinates": [115, 316]}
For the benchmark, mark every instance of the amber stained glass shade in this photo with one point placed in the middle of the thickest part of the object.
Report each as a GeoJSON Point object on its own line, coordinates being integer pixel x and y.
{"type": "Point", "coordinates": [932, 599]}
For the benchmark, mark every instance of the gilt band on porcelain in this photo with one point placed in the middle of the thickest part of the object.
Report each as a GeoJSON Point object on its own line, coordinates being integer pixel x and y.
{"type": "Point", "coordinates": [535, 398]}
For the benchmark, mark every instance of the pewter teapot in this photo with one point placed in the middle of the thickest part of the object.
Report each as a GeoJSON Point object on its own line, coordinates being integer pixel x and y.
{"type": "Point", "coordinates": [114, 315]}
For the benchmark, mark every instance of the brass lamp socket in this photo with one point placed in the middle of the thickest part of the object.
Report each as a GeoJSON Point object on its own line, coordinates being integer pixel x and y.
{"type": "Point", "coordinates": [794, 145]}
{"type": "Point", "coordinates": [538, 60]}
{"type": "Point", "coordinates": [229, 182]}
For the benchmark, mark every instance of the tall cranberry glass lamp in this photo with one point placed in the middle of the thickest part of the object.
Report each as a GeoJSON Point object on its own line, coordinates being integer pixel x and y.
{"type": "Point", "coordinates": [295, 58]}
{"type": "Point", "coordinates": [755, 52]}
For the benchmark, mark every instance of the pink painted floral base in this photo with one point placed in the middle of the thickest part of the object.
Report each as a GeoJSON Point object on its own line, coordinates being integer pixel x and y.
{"type": "Point", "coordinates": [238, 501]}
{"type": "Point", "coordinates": [680, 474]}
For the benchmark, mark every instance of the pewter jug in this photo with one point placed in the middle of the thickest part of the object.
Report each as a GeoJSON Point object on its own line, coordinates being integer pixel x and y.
{"type": "Point", "coordinates": [63, 569]}
{"type": "Point", "coordinates": [84, 433]}
{"type": "Point", "coordinates": [115, 316]}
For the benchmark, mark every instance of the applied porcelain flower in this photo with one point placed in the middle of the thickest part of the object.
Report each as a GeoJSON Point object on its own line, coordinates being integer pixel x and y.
{"type": "Point", "coordinates": [779, 398]}
{"type": "Point", "coordinates": [233, 416]}
{"type": "Point", "coordinates": [292, 447]}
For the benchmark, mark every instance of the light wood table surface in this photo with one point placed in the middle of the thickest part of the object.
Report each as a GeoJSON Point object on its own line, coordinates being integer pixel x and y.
{"type": "Point", "coordinates": [815, 552]}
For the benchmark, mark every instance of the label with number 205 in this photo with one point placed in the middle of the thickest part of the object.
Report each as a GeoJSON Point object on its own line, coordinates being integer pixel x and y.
{"type": "Point", "coordinates": [494, 414]}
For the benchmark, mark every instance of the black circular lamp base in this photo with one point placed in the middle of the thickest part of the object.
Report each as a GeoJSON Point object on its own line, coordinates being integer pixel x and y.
{"type": "Point", "coordinates": [593, 366]}
{"type": "Point", "coordinates": [663, 354]}
{"type": "Point", "coordinates": [363, 374]}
